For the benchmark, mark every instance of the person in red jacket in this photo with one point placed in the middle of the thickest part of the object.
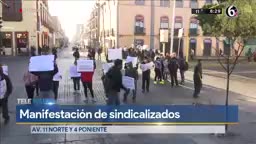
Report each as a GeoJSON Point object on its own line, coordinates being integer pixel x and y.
{"type": "Point", "coordinates": [86, 78]}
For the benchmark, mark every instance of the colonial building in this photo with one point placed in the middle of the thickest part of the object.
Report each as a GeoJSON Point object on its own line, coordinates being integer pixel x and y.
{"type": "Point", "coordinates": [26, 24]}
{"type": "Point", "coordinates": [138, 22]}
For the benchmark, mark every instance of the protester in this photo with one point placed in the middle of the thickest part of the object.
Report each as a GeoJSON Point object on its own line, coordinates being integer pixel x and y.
{"type": "Point", "coordinates": [132, 72]}
{"type": "Point", "coordinates": [45, 81]}
{"type": "Point", "coordinates": [145, 76]}
{"type": "Point", "coordinates": [54, 52]}
{"type": "Point", "coordinates": [166, 69]}
{"type": "Point", "coordinates": [158, 71]}
{"type": "Point", "coordinates": [173, 68]}
{"type": "Point", "coordinates": [86, 78]}
{"type": "Point", "coordinates": [183, 66]}
{"type": "Point", "coordinates": [56, 78]}
{"type": "Point", "coordinates": [39, 50]}
{"type": "Point", "coordinates": [197, 79]}
{"type": "Point", "coordinates": [5, 92]}
{"type": "Point", "coordinates": [76, 78]}
{"type": "Point", "coordinates": [33, 51]}
{"type": "Point", "coordinates": [99, 53]}
{"type": "Point", "coordinates": [30, 81]}
{"type": "Point", "coordinates": [76, 54]}
{"type": "Point", "coordinates": [115, 83]}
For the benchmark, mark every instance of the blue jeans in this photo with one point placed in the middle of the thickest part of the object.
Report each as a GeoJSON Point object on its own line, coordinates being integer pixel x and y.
{"type": "Point", "coordinates": [113, 99]}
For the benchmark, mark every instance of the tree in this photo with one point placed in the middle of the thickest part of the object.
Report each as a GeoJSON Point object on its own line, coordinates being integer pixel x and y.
{"type": "Point", "coordinates": [237, 30]}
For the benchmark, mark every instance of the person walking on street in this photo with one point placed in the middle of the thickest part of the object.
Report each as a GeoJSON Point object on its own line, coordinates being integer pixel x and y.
{"type": "Point", "coordinates": [158, 71]}
{"type": "Point", "coordinates": [33, 51]}
{"type": "Point", "coordinates": [76, 54]}
{"type": "Point", "coordinates": [173, 68]}
{"type": "Point", "coordinates": [115, 83]}
{"type": "Point", "coordinates": [183, 66]}
{"type": "Point", "coordinates": [75, 77]}
{"type": "Point", "coordinates": [5, 92]}
{"type": "Point", "coordinates": [132, 72]}
{"type": "Point", "coordinates": [197, 79]}
{"type": "Point", "coordinates": [99, 53]}
{"type": "Point", "coordinates": [30, 83]}
{"type": "Point", "coordinates": [56, 82]}
{"type": "Point", "coordinates": [145, 76]}
{"type": "Point", "coordinates": [54, 52]}
{"type": "Point", "coordinates": [86, 78]}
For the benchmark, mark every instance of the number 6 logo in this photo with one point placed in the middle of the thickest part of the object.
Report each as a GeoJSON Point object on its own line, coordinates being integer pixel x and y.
{"type": "Point", "coordinates": [232, 11]}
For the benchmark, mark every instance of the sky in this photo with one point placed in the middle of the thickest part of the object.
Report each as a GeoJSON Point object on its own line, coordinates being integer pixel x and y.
{"type": "Point", "coordinates": [71, 13]}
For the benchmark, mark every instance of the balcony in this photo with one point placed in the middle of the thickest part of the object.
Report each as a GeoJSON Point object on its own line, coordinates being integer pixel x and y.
{"type": "Point", "coordinates": [193, 32]}
{"type": "Point", "coordinates": [139, 31]}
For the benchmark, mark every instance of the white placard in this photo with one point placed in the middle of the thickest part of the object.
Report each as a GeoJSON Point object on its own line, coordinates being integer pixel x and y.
{"type": "Point", "coordinates": [85, 66]}
{"type": "Point", "coordinates": [73, 72]}
{"type": "Point", "coordinates": [180, 34]}
{"type": "Point", "coordinates": [134, 60]}
{"type": "Point", "coordinates": [114, 54]}
{"type": "Point", "coordinates": [147, 66]}
{"type": "Point", "coordinates": [106, 67]}
{"type": "Point", "coordinates": [145, 47]}
{"type": "Point", "coordinates": [164, 35]}
{"type": "Point", "coordinates": [41, 63]}
{"type": "Point", "coordinates": [5, 69]}
{"type": "Point", "coordinates": [57, 77]}
{"type": "Point", "coordinates": [128, 82]}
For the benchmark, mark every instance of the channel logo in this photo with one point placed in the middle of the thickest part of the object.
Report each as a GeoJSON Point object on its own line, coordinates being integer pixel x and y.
{"type": "Point", "coordinates": [232, 11]}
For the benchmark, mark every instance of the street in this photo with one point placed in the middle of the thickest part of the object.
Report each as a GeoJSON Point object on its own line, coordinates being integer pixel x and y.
{"type": "Point", "coordinates": [213, 92]}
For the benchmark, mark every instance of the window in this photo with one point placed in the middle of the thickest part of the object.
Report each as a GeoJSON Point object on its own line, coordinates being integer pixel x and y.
{"type": "Point", "coordinates": [139, 24]}
{"type": "Point", "coordinates": [193, 4]}
{"type": "Point", "coordinates": [165, 3]}
{"type": "Point", "coordinates": [164, 22]}
{"type": "Point", "coordinates": [179, 3]}
{"type": "Point", "coordinates": [12, 13]}
{"type": "Point", "coordinates": [208, 1]}
{"type": "Point", "coordinates": [193, 23]}
{"type": "Point", "coordinates": [139, 2]}
{"type": "Point", "coordinates": [178, 22]}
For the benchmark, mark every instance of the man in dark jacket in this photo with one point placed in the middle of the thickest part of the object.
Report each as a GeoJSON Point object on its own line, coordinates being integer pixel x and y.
{"type": "Point", "coordinates": [145, 76]}
{"type": "Point", "coordinates": [173, 68]}
{"type": "Point", "coordinates": [5, 92]}
{"type": "Point", "coordinates": [197, 79]}
{"type": "Point", "coordinates": [182, 68]}
{"type": "Point", "coordinates": [132, 72]}
{"type": "Point", "coordinates": [115, 85]}
{"type": "Point", "coordinates": [76, 54]}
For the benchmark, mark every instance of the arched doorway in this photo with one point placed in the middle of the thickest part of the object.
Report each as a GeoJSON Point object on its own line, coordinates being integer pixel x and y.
{"type": "Point", "coordinates": [207, 47]}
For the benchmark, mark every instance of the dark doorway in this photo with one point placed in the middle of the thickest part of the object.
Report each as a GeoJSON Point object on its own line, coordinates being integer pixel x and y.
{"type": "Point", "coordinates": [167, 47]}
{"type": "Point", "coordinates": [207, 47]}
{"type": "Point", "coordinates": [192, 46]}
{"type": "Point", "coordinates": [176, 45]}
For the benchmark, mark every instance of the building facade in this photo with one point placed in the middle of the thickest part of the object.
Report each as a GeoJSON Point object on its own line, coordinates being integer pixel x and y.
{"type": "Point", "coordinates": [138, 22]}
{"type": "Point", "coordinates": [26, 24]}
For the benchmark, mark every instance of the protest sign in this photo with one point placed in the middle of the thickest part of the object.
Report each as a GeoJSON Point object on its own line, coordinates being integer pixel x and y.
{"type": "Point", "coordinates": [114, 54]}
{"type": "Point", "coordinates": [147, 66]}
{"type": "Point", "coordinates": [73, 72]}
{"type": "Point", "coordinates": [85, 66]}
{"type": "Point", "coordinates": [106, 67]}
{"type": "Point", "coordinates": [57, 77]}
{"type": "Point", "coordinates": [5, 69]}
{"type": "Point", "coordinates": [134, 60]}
{"type": "Point", "coordinates": [128, 82]}
{"type": "Point", "coordinates": [41, 63]}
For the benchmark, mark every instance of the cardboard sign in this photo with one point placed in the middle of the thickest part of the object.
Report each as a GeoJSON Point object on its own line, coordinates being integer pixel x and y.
{"type": "Point", "coordinates": [73, 72]}
{"type": "Point", "coordinates": [57, 77]}
{"type": "Point", "coordinates": [147, 66]}
{"type": "Point", "coordinates": [134, 60]}
{"type": "Point", "coordinates": [85, 66]}
{"type": "Point", "coordinates": [106, 67]}
{"type": "Point", "coordinates": [114, 54]}
{"type": "Point", "coordinates": [5, 69]}
{"type": "Point", "coordinates": [41, 63]}
{"type": "Point", "coordinates": [128, 82]}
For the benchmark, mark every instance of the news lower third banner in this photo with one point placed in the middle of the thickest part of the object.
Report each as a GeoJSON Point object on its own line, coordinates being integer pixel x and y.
{"type": "Point", "coordinates": [128, 114]}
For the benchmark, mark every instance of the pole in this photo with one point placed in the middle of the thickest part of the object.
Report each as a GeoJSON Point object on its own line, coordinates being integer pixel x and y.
{"type": "Point", "coordinates": [227, 91]}
{"type": "Point", "coordinates": [172, 28]}
{"type": "Point", "coordinates": [164, 49]}
{"type": "Point", "coordinates": [187, 50]}
{"type": "Point", "coordinates": [179, 48]}
{"type": "Point", "coordinates": [152, 25]}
